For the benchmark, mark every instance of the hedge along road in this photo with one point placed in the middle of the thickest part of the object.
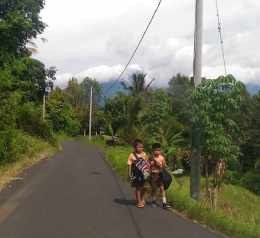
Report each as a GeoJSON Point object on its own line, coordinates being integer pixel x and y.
{"type": "Point", "coordinates": [76, 194]}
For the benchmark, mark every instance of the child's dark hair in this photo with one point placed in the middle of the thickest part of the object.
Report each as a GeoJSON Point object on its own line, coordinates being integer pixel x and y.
{"type": "Point", "coordinates": [136, 142]}
{"type": "Point", "coordinates": [156, 146]}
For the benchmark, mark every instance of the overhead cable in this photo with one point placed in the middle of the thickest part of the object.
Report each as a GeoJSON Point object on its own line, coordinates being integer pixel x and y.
{"type": "Point", "coordinates": [221, 41]}
{"type": "Point", "coordinates": [135, 48]}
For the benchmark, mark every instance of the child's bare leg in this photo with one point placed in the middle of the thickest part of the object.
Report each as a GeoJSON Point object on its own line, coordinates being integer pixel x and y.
{"type": "Point", "coordinates": [143, 191]}
{"type": "Point", "coordinates": [165, 205]}
{"type": "Point", "coordinates": [162, 191]}
{"type": "Point", "coordinates": [153, 193]}
{"type": "Point", "coordinates": [138, 196]}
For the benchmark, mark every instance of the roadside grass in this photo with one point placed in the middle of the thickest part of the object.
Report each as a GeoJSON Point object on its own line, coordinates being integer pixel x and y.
{"type": "Point", "coordinates": [237, 214]}
{"type": "Point", "coordinates": [31, 151]}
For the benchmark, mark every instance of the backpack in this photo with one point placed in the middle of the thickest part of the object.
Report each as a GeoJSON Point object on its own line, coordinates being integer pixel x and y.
{"type": "Point", "coordinates": [166, 177]}
{"type": "Point", "coordinates": [141, 167]}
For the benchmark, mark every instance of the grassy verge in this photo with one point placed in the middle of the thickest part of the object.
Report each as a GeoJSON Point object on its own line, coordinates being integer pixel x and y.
{"type": "Point", "coordinates": [236, 216]}
{"type": "Point", "coordinates": [32, 151]}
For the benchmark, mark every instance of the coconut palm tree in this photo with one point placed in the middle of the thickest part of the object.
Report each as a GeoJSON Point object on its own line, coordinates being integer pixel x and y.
{"type": "Point", "coordinates": [132, 126]}
{"type": "Point", "coordinates": [138, 84]}
{"type": "Point", "coordinates": [33, 48]}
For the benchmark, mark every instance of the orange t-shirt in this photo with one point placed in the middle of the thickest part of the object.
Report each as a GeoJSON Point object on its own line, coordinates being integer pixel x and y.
{"type": "Point", "coordinates": [132, 159]}
{"type": "Point", "coordinates": [161, 161]}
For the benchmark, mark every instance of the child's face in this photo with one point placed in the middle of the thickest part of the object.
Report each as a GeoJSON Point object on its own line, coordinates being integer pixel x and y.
{"type": "Point", "coordinates": [156, 151]}
{"type": "Point", "coordinates": [139, 148]}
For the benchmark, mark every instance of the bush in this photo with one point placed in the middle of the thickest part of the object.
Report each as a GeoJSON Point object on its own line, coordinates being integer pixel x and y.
{"type": "Point", "coordinates": [231, 177]}
{"type": "Point", "coordinates": [251, 181]}
{"type": "Point", "coordinates": [72, 127]}
{"type": "Point", "coordinates": [9, 145]}
{"type": "Point", "coordinates": [32, 122]}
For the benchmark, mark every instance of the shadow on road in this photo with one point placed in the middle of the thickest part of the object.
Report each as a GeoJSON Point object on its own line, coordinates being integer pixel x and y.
{"type": "Point", "coordinates": [126, 202]}
{"type": "Point", "coordinates": [131, 202]}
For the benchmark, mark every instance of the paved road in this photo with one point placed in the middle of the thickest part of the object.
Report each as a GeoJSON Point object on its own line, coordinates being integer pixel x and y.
{"type": "Point", "coordinates": [75, 194]}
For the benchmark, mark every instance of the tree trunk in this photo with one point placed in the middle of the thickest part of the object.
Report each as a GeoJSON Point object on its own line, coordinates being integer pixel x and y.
{"type": "Point", "coordinates": [207, 180]}
{"type": "Point", "coordinates": [215, 195]}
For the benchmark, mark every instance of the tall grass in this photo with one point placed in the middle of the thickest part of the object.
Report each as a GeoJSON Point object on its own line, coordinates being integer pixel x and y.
{"type": "Point", "coordinates": [238, 212]}
{"type": "Point", "coordinates": [31, 150]}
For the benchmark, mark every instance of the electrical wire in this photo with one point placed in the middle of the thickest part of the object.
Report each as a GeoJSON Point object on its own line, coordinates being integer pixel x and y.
{"type": "Point", "coordinates": [135, 49]}
{"type": "Point", "coordinates": [219, 30]}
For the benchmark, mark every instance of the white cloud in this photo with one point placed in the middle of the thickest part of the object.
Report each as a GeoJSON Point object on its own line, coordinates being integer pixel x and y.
{"type": "Point", "coordinates": [245, 75]}
{"type": "Point", "coordinates": [95, 38]}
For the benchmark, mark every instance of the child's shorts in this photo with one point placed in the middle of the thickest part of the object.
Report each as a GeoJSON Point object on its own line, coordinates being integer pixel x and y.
{"type": "Point", "coordinates": [156, 180]}
{"type": "Point", "coordinates": [139, 184]}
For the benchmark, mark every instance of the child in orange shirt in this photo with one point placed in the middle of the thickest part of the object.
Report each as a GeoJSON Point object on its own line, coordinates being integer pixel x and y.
{"type": "Point", "coordinates": [136, 179]}
{"type": "Point", "coordinates": [157, 162]}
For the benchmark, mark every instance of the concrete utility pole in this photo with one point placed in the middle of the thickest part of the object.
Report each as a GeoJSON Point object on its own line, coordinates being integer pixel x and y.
{"type": "Point", "coordinates": [195, 141]}
{"type": "Point", "coordinates": [90, 114]}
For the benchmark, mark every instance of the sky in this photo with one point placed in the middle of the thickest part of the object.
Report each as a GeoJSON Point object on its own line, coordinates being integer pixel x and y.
{"type": "Point", "coordinates": [96, 38]}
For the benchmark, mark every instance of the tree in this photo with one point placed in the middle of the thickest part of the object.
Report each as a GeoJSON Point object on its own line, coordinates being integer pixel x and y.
{"type": "Point", "coordinates": [114, 112]}
{"type": "Point", "coordinates": [138, 84]}
{"type": "Point", "coordinates": [131, 126]}
{"type": "Point", "coordinates": [8, 116]}
{"type": "Point", "coordinates": [35, 80]}
{"type": "Point", "coordinates": [87, 83]}
{"type": "Point", "coordinates": [58, 94]}
{"type": "Point", "coordinates": [62, 117]}
{"type": "Point", "coordinates": [74, 93]}
{"type": "Point", "coordinates": [19, 23]}
{"type": "Point", "coordinates": [33, 48]}
{"type": "Point", "coordinates": [215, 103]}
{"type": "Point", "coordinates": [159, 115]}
{"type": "Point", "coordinates": [178, 86]}
{"type": "Point", "coordinates": [251, 146]}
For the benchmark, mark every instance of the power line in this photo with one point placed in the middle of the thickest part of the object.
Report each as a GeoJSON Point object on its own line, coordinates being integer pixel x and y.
{"type": "Point", "coordinates": [219, 30]}
{"type": "Point", "coordinates": [135, 48]}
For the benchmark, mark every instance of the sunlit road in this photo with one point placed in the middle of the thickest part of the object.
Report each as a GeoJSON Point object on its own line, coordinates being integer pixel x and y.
{"type": "Point", "coordinates": [76, 194]}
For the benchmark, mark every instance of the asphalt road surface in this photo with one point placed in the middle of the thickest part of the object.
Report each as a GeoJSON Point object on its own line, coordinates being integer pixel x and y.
{"type": "Point", "coordinates": [76, 194]}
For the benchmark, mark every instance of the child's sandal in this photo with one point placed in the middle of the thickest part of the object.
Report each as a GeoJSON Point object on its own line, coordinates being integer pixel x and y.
{"type": "Point", "coordinates": [139, 205]}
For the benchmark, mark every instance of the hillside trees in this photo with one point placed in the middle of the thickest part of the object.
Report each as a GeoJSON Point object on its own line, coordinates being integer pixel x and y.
{"type": "Point", "coordinates": [114, 112]}
{"type": "Point", "coordinates": [35, 80]}
{"type": "Point", "coordinates": [19, 23]}
{"type": "Point", "coordinates": [62, 117]}
{"type": "Point", "coordinates": [77, 95]}
{"type": "Point", "coordinates": [23, 81]}
{"type": "Point", "coordinates": [251, 146]}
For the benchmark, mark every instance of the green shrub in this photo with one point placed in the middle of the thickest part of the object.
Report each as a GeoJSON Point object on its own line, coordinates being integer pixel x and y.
{"type": "Point", "coordinates": [231, 177]}
{"type": "Point", "coordinates": [9, 145]}
{"type": "Point", "coordinates": [72, 127]}
{"type": "Point", "coordinates": [32, 122]}
{"type": "Point", "coordinates": [251, 181]}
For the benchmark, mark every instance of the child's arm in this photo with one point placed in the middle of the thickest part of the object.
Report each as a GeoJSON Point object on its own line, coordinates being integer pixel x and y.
{"type": "Point", "coordinates": [150, 161]}
{"type": "Point", "coordinates": [164, 165]}
{"type": "Point", "coordinates": [129, 171]}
